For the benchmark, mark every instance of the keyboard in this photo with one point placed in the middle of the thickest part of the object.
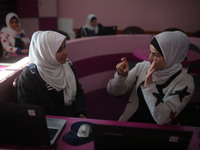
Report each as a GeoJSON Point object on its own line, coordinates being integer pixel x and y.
{"type": "Point", "coordinates": [52, 132]}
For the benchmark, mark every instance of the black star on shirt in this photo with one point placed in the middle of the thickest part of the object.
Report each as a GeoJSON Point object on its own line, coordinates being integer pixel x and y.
{"type": "Point", "coordinates": [181, 93]}
{"type": "Point", "coordinates": [159, 97]}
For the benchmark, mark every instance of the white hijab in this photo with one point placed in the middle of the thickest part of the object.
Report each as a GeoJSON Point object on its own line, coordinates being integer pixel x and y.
{"type": "Point", "coordinates": [8, 29]}
{"type": "Point", "coordinates": [42, 52]}
{"type": "Point", "coordinates": [174, 46]}
{"type": "Point", "coordinates": [88, 26]}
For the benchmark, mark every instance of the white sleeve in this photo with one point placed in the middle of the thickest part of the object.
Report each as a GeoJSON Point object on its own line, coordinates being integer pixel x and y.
{"type": "Point", "coordinates": [119, 85]}
{"type": "Point", "coordinates": [116, 86]}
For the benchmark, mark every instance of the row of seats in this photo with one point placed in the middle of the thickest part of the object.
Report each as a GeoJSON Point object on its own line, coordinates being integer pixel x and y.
{"type": "Point", "coordinates": [139, 30]}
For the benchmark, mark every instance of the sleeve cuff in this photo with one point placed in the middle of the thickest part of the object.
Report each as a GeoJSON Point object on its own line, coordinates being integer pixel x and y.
{"type": "Point", "coordinates": [22, 35]}
{"type": "Point", "coordinates": [18, 51]}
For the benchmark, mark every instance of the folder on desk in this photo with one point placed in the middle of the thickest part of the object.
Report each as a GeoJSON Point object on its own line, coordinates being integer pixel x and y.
{"type": "Point", "coordinates": [110, 137]}
{"type": "Point", "coordinates": [27, 125]}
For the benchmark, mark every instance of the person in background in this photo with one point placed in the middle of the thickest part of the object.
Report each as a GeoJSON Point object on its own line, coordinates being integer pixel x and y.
{"type": "Point", "coordinates": [91, 27]}
{"type": "Point", "coordinates": [50, 79]}
{"type": "Point", "coordinates": [160, 89]}
{"type": "Point", "coordinates": [13, 37]}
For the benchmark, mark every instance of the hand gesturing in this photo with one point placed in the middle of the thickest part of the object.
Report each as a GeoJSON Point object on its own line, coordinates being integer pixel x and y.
{"type": "Point", "coordinates": [122, 67]}
{"type": "Point", "coordinates": [148, 78]}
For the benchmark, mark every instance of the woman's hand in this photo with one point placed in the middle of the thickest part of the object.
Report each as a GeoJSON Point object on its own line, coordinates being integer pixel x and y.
{"type": "Point", "coordinates": [18, 30]}
{"type": "Point", "coordinates": [24, 51]}
{"type": "Point", "coordinates": [148, 78]}
{"type": "Point", "coordinates": [123, 67]}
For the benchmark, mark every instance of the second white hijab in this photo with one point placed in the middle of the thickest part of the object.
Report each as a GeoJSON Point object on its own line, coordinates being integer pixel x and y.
{"type": "Point", "coordinates": [8, 29]}
{"type": "Point", "coordinates": [88, 25]}
{"type": "Point", "coordinates": [174, 46]}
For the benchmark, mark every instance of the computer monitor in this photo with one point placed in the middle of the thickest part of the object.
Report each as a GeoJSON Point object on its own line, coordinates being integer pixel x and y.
{"type": "Point", "coordinates": [108, 30]}
{"type": "Point", "coordinates": [109, 137]}
{"type": "Point", "coordinates": [27, 125]}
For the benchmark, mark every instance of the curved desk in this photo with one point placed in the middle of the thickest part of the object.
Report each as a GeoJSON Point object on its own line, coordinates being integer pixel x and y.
{"type": "Point", "coordinates": [61, 145]}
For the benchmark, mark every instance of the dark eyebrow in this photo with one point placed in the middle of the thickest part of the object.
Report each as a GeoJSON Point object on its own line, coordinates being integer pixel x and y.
{"type": "Point", "coordinates": [155, 53]}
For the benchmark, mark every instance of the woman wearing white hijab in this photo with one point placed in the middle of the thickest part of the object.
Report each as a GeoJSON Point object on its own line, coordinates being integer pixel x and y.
{"type": "Point", "coordinates": [91, 27]}
{"type": "Point", "coordinates": [13, 38]}
{"type": "Point", "coordinates": [50, 79]}
{"type": "Point", "coordinates": [160, 88]}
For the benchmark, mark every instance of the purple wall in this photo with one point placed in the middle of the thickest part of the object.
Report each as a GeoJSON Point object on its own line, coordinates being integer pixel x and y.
{"type": "Point", "coordinates": [153, 15]}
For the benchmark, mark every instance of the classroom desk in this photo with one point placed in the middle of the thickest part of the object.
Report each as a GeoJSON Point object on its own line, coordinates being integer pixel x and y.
{"type": "Point", "coordinates": [142, 53]}
{"type": "Point", "coordinates": [61, 145]}
{"type": "Point", "coordinates": [10, 60]}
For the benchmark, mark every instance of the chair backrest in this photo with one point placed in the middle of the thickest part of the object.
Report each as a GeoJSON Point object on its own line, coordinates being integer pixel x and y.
{"type": "Point", "coordinates": [197, 33]}
{"type": "Point", "coordinates": [173, 29]}
{"type": "Point", "coordinates": [194, 47]}
{"type": "Point", "coordinates": [194, 68]}
{"type": "Point", "coordinates": [133, 30]}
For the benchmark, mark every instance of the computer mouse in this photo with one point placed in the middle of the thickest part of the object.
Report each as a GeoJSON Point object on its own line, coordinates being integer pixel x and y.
{"type": "Point", "coordinates": [84, 131]}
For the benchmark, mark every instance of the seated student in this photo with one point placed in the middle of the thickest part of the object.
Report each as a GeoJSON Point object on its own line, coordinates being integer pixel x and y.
{"type": "Point", "coordinates": [91, 27]}
{"type": "Point", "coordinates": [13, 37]}
{"type": "Point", "coordinates": [50, 79]}
{"type": "Point", "coordinates": [160, 89]}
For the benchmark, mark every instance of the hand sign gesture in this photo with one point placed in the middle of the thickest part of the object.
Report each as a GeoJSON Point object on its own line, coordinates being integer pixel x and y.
{"type": "Point", "coordinates": [123, 67]}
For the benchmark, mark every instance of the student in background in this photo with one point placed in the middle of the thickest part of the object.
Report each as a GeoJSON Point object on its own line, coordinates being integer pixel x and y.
{"type": "Point", "coordinates": [50, 79]}
{"type": "Point", "coordinates": [160, 89]}
{"type": "Point", "coordinates": [13, 37]}
{"type": "Point", "coordinates": [91, 27]}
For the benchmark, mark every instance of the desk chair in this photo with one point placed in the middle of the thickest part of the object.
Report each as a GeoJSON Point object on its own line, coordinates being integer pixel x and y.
{"type": "Point", "coordinates": [133, 30]}
{"type": "Point", "coordinates": [174, 29]}
{"type": "Point", "coordinates": [197, 33]}
{"type": "Point", "coordinates": [194, 68]}
{"type": "Point", "coordinates": [194, 48]}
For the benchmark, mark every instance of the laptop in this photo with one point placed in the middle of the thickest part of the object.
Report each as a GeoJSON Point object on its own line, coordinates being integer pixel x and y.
{"type": "Point", "coordinates": [27, 125]}
{"type": "Point", "coordinates": [109, 137]}
{"type": "Point", "coordinates": [108, 30]}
